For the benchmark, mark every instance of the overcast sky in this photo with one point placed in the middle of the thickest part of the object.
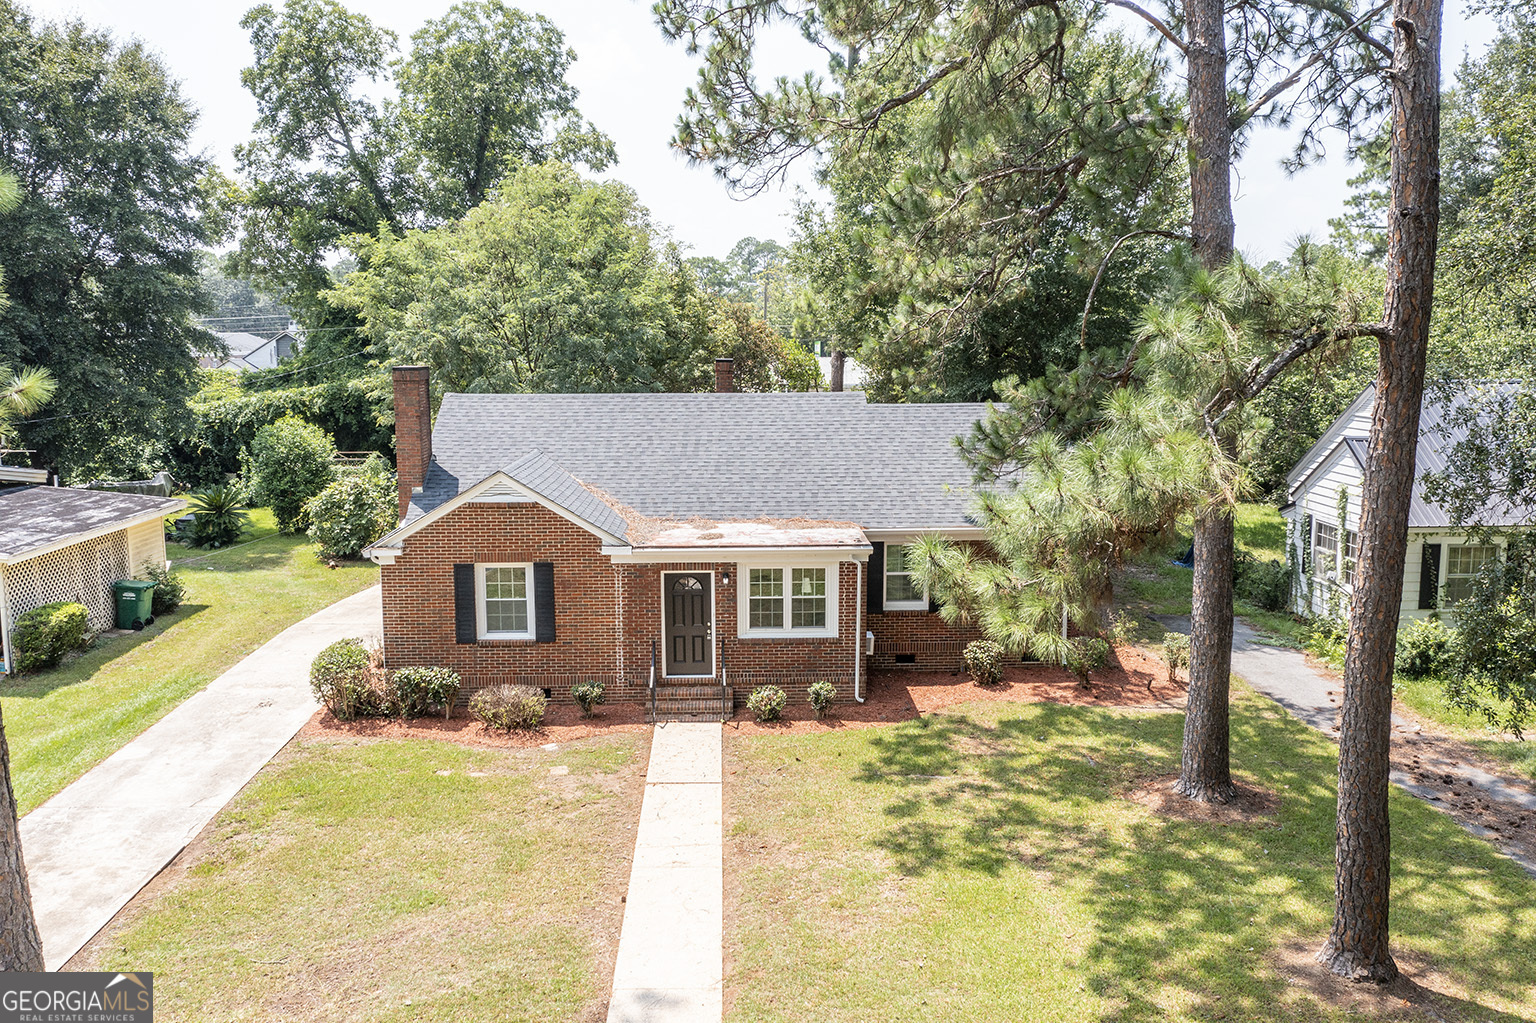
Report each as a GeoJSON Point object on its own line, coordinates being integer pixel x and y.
{"type": "Point", "coordinates": [632, 82]}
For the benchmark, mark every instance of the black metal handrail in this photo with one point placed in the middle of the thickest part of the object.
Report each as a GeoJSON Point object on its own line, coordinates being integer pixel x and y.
{"type": "Point", "coordinates": [653, 680]}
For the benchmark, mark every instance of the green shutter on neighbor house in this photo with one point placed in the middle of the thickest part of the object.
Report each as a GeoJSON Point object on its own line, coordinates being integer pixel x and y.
{"type": "Point", "coordinates": [876, 595]}
{"type": "Point", "coordinates": [544, 601]}
{"type": "Point", "coordinates": [465, 629]}
{"type": "Point", "coordinates": [1429, 577]}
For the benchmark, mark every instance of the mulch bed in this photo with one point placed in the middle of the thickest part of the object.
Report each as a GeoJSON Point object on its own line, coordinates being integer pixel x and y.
{"type": "Point", "coordinates": [1132, 678]}
{"type": "Point", "coordinates": [1248, 806]}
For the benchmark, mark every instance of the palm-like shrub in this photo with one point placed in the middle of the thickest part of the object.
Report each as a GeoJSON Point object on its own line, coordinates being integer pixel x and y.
{"type": "Point", "coordinates": [218, 516]}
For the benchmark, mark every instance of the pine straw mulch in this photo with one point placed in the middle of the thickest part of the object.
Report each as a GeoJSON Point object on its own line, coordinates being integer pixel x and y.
{"type": "Point", "coordinates": [1248, 806]}
{"type": "Point", "coordinates": [561, 724]}
{"type": "Point", "coordinates": [1420, 992]}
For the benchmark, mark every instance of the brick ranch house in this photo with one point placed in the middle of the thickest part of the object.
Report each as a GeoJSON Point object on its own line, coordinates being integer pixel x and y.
{"type": "Point", "coordinates": [713, 542]}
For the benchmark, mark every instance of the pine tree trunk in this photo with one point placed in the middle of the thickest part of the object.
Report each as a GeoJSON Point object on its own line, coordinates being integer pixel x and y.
{"type": "Point", "coordinates": [20, 947]}
{"type": "Point", "coordinates": [838, 361]}
{"type": "Point", "coordinates": [1358, 944]}
{"type": "Point", "coordinates": [1206, 773]}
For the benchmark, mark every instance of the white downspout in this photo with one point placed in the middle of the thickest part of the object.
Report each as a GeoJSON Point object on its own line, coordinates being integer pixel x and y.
{"type": "Point", "coordinates": [5, 625]}
{"type": "Point", "coordinates": [858, 626]}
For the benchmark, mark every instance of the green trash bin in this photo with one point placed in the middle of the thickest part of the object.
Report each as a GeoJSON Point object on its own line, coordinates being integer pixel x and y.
{"type": "Point", "coordinates": [134, 599]}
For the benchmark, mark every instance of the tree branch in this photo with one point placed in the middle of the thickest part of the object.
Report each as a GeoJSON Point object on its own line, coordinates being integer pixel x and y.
{"type": "Point", "coordinates": [1152, 20]}
{"type": "Point", "coordinates": [1248, 112]}
{"type": "Point", "coordinates": [1082, 340]}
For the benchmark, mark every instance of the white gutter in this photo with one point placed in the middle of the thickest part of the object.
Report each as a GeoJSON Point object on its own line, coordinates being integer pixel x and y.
{"type": "Point", "coordinates": [5, 625]}
{"type": "Point", "coordinates": [663, 555]}
{"type": "Point", "coordinates": [858, 626]}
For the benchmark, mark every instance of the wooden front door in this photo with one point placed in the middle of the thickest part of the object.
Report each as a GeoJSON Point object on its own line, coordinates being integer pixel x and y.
{"type": "Point", "coordinates": [687, 601]}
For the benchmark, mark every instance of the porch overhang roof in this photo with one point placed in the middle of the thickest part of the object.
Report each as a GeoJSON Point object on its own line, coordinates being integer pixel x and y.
{"type": "Point", "coordinates": [700, 540]}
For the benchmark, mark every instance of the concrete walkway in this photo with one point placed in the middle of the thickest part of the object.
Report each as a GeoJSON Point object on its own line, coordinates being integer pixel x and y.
{"type": "Point", "coordinates": [1285, 677]}
{"type": "Point", "coordinates": [91, 848]}
{"type": "Point", "coordinates": [670, 967]}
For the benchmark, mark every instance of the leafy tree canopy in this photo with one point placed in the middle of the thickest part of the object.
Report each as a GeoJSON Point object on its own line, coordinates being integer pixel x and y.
{"type": "Point", "coordinates": [555, 284]}
{"type": "Point", "coordinates": [101, 251]}
{"type": "Point", "coordinates": [483, 88]}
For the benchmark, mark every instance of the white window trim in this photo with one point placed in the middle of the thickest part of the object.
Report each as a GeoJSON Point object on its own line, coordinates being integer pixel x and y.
{"type": "Point", "coordinates": [1448, 575]}
{"type": "Point", "coordinates": [1317, 528]}
{"type": "Point", "coordinates": [481, 631]}
{"type": "Point", "coordinates": [744, 602]}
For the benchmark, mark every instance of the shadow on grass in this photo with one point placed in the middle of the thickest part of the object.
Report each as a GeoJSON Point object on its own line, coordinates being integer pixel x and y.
{"type": "Point", "coordinates": [1184, 911]}
{"type": "Point", "coordinates": [82, 668]}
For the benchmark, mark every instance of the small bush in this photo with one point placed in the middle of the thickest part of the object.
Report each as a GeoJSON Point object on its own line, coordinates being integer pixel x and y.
{"type": "Point", "coordinates": [1424, 649]}
{"type": "Point", "coordinates": [218, 516]}
{"type": "Point", "coordinates": [1327, 637]}
{"type": "Point", "coordinates": [45, 634]}
{"type": "Point", "coordinates": [354, 511]}
{"type": "Point", "coordinates": [1086, 654]}
{"type": "Point", "coordinates": [588, 695]}
{"type": "Point", "coordinates": [290, 461]}
{"type": "Point", "coordinates": [347, 677]}
{"type": "Point", "coordinates": [1264, 584]}
{"type": "Point", "coordinates": [1176, 653]}
{"type": "Point", "coordinates": [767, 703]}
{"type": "Point", "coordinates": [508, 707]}
{"type": "Point", "coordinates": [984, 661]}
{"type": "Point", "coordinates": [169, 590]}
{"type": "Point", "coordinates": [821, 694]}
{"type": "Point", "coordinates": [418, 690]}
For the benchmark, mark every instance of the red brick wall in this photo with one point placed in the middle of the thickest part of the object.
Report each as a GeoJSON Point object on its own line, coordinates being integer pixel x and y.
{"type": "Point", "coordinates": [591, 596]}
{"type": "Point", "coordinates": [922, 634]}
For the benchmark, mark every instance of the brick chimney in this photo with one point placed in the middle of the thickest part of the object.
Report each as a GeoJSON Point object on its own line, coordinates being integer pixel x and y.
{"type": "Point", "coordinates": [413, 430]}
{"type": "Point", "coordinates": [725, 375]}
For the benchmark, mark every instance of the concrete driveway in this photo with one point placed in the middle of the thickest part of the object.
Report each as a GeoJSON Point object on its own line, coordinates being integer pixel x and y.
{"type": "Point", "coordinates": [90, 848]}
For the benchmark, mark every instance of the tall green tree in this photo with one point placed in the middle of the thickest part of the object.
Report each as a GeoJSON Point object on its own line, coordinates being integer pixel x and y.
{"type": "Point", "coordinates": [553, 284]}
{"type": "Point", "coordinates": [482, 88]}
{"type": "Point", "coordinates": [101, 252]}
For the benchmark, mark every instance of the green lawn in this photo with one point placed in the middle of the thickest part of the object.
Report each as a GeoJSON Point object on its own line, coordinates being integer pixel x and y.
{"type": "Point", "coordinates": [401, 880]}
{"type": "Point", "coordinates": [61, 723]}
{"type": "Point", "coordinates": [982, 865]}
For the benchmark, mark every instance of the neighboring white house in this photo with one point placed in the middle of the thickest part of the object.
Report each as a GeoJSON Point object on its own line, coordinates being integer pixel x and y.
{"type": "Point", "coordinates": [251, 351]}
{"type": "Point", "coordinates": [1442, 560]}
{"type": "Point", "coordinates": [59, 543]}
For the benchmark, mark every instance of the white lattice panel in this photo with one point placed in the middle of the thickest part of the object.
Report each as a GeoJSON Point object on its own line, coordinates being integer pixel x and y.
{"type": "Point", "coordinates": [83, 573]}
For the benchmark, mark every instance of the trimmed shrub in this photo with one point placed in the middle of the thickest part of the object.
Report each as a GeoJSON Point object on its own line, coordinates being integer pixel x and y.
{"type": "Point", "coordinates": [508, 707]}
{"type": "Point", "coordinates": [346, 677]}
{"type": "Point", "coordinates": [1327, 637]}
{"type": "Point", "coordinates": [169, 589]}
{"type": "Point", "coordinates": [289, 463]}
{"type": "Point", "coordinates": [218, 516]}
{"type": "Point", "coordinates": [821, 694]}
{"type": "Point", "coordinates": [984, 661]}
{"type": "Point", "coordinates": [588, 695]}
{"type": "Point", "coordinates": [1425, 649]}
{"type": "Point", "coordinates": [45, 634]}
{"type": "Point", "coordinates": [1176, 653]}
{"type": "Point", "coordinates": [1086, 654]}
{"type": "Point", "coordinates": [767, 703]}
{"type": "Point", "coordinates": [354, 511]}
{"type": "Point", "coordinates": [417, 690]}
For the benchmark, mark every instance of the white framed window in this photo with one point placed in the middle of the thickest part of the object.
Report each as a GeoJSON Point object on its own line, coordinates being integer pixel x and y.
{"type": "Point", "coordinates": [1462, 565]}
{"type": "Point", "coordinates": [504, 601]}
{"type": "Point", "coordinates": [1351, 552]}
{"type": "Point", "coordinates": [1325, 549]}
{"type": "Point", "coordinates": [788, 600]}
{"type": "Point", "coordinates": [902, 592]}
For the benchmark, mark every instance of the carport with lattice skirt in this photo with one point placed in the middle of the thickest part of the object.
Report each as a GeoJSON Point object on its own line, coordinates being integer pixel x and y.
{"type": "Point", "coordinates": [63, 544]}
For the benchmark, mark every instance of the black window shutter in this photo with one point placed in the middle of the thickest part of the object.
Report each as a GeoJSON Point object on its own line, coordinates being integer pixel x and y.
{"type": "Point", "coordinates": [876, 603]}
{"type": "Point", "coordinates": [544, 601]}
{"type": "Point", "coordinates": [464, 627]}
{"type": "Point", "coordinates": [1429, 578]}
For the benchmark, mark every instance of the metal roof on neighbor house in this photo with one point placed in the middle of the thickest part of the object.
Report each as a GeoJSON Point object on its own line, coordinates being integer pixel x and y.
{"type": "Point", "coordinates": [38, 517]}
{"type": "Point", "coordinates": [720, 456]}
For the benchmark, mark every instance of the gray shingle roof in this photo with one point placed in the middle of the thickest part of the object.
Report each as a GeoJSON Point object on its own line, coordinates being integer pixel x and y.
{"type": "Point", "coordinates": [817, 456]}
{"type": "Point", "coordinates": [1439, 434]}
{"type": "Point", "coordinates": [539, 473]}
{"type": "Point", "coordinates": [33, 517]}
